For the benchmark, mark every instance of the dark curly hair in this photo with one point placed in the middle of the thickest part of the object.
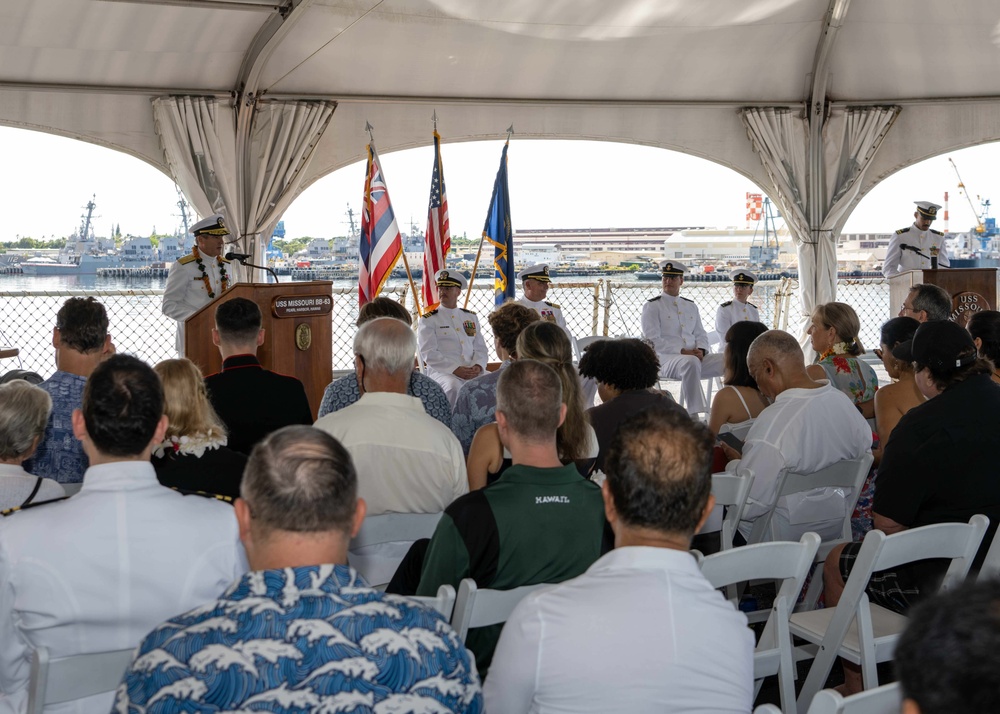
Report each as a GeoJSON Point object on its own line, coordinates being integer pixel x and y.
{"type": "Point", "coordinates": [625, 364]}
{"type": "Point", "coordinates": [508, 321]}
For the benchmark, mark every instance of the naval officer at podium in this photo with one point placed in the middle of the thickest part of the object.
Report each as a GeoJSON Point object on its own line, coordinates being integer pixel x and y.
{"type": "Point", "coordinates": [911, 248]}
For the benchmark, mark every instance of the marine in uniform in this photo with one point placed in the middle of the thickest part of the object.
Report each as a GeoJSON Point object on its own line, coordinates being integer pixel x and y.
{"type": "Point", "coordinates": [449, 338]}
{"type": "Point", "coordinates": [672, 324]}
{"type": "Point", "coordinates": [918, 238]}
{"type": "Point", "coordinates": [199, 277]}
{"type": "Point", "coordinates": [737, 309]}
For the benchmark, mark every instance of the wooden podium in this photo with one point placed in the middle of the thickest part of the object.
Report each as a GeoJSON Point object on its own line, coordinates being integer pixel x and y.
{"type": "Point", "coordinates": [298, 332]}
{"type": "Point", "coordinates": [971, 289]}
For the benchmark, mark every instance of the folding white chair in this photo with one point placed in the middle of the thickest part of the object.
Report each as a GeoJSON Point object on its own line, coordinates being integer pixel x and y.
{"type": "Point", "coordinates": [388, 528]}
{"type": "Point", "coordinates": [64, 679]}
{"type": "Point", "coordinates": [443, 602]}
{"type": "Point", "coordinates": [864, 633]}
{"type": "Point", "coordinates": [784, 561]}
{"type": "Point", "coordinates": [991, 564]}
{"type": "Point", "coordinates": [480, 608]}
{"type": "Point", "coordinates": [881, 700]}
{"type": "Point", "coordinates": [730, 491]}
{"type": "Point", "coordinates": [767, 709]}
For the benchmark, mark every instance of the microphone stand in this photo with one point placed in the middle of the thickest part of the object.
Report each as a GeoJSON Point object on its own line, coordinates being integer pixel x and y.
{"type": "Point", "coordinates": [244, 261]}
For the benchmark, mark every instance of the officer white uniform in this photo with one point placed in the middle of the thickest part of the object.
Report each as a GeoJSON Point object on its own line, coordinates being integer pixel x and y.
{"type": "Point", "coordinates": [196, 280]}
{"type": "Point", "coordinates": [449, 338]}
{"type": "Point", "coordinates": [671, 324]}
{"type": "Point", "coordinates": [547, 310]}
{"type": "Point", "coordinates": [735, 311]}
{"type": "Point", "coordinates": [899, 259]}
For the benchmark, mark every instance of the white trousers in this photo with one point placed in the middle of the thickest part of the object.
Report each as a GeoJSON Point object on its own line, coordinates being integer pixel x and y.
{"type": "Point", "coordinates": [449, 383]}
{"type": "Point", "coordinates": [689, 371]}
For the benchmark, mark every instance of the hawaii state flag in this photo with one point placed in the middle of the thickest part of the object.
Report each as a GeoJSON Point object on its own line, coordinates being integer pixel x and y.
{"type": "Point", "coordinates": [437, 239]}
{"type": "Point", "coordinates": [381, 244]}
{"type": "Point", "coordinates": [498, 232]}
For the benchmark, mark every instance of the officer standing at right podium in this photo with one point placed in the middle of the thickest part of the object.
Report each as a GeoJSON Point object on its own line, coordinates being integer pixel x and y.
{"type": "Point", "coordinates": [911, 248]}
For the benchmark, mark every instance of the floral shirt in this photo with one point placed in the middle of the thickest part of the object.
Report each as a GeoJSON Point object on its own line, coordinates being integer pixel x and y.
{"type": "Point", "coordinates": [344, 392]}
{"type": "Point", "coordinates": [475, 406]}
{"type": "Point", "coordinates": [60, 454]}
{"type": "Point", "coordinates": [851, 376]}
{"type": "Point", "coordinates": [313, 638]}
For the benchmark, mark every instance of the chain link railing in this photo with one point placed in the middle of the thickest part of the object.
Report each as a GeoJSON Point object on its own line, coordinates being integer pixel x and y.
{"type": "Point", "coordinates": [601, 307]}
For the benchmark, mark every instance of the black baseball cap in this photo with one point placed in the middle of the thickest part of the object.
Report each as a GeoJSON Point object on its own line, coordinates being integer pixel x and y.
{"type": "Point", "coordinates": [942, 345]}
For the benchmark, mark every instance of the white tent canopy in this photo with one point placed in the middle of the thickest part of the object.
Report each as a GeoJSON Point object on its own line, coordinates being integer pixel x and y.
{"type": "Point", "coordinates": [246, 102]}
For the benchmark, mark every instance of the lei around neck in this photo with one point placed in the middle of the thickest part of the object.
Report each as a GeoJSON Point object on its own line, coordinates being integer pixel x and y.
{"type": "Point", "coordinates": [224, 278]}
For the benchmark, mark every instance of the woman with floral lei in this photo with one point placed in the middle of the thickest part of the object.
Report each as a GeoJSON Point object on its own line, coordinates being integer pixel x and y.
{"type": "Point", "coordinates": [834, 333]}
{"type": "Point", "coordinates": [193, 457]}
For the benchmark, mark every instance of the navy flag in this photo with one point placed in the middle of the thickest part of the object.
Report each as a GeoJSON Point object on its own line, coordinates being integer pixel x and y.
{"type": "Point", "coordinates": [498, 232]}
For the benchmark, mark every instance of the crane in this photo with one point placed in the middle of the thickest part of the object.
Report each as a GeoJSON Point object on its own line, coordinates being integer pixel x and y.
{"type": "Point", "coordinates": [986, 225]}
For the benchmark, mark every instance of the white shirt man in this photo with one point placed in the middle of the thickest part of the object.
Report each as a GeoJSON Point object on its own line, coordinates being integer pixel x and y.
{"type": "Point", "coordinates": [199, 277]}
{"type": "Point", "coordinates": [450, 339]}
{"type": "Point", "coordinates": [737, 309]}
{"type": "Point", "coordinates": [920, 238]}
{"type": "Point", "coordinates": [673, 325]}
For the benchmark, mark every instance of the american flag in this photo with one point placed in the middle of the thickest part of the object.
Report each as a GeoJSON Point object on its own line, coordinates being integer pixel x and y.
{"type": "Point", "coordinates": [498, 233]}
{"type": "Point", "coordinates": [381, 244]}
{"type": "Point", "coordinates": [437, 239]}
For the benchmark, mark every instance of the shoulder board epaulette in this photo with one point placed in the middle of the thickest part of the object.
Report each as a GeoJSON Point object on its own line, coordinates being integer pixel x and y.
{"type": "Point", "coordinates": [471, 312]}
{"type": "Point", "coordinates": [189, 258]}
{"type": "Point", "coordinates": [15, 509]}
{"type": "Point", "coordinates": [654, 299]}
{"type": "Point", "coordinates": [552, 304]}
{"type": "Point", "coordinates": [204, 494]}
{"type": "Point", "coordinates": [428, 314]}
{"type": "Point", "coordinates": [727, 303]}
{"type": "Point", "coordinates": [684, 298]}
{"type": "Point", "coordinates": [902, 230]}
{"type": "Point", "coordinates": [937, 233]}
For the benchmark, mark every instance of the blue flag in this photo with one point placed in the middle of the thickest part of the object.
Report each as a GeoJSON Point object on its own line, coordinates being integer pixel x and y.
{"type": "Point", "coordinates": [498, 232]}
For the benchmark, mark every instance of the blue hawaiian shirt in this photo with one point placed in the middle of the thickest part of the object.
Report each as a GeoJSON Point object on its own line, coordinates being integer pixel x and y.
{"type": "Point", "coordinates": [475, 406]}
{"type": "Point", "coordinates": [344, 392]}
{"type": "Point", "coordinates": [60, 455]}
{"type": "Point", "coordinates": [307, 639]}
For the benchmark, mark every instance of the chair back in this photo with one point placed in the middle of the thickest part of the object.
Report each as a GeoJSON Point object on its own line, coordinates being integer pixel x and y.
{"type": "Point", "coordinates": [393, 527]}
{"type": "Point", "coordinates": [957, 541]}
{"type": "Point", "coordinates": [849, 473]}
{"type": "Point", "coordinates": [475, 607]}
{"type": "Point", "coordinates": [881, 700]}
{"type": "Point", "coordinates": [740, 432]}
{"type": "Point", "coordinates": [54, 681]}
{"type": "Point", "coordinates": [732, 491]}
{"type": "Point", "coordinates": [991, 565]}
{"type": "Point", "coordinates": [443, 602]}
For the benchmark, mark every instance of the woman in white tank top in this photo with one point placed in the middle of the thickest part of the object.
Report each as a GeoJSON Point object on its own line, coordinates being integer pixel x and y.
{"type": "Point", "coordinates": [738, 403]}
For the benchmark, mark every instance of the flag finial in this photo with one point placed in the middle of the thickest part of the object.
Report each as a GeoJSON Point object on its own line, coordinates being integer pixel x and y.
{"type": "Point", "coordinates": [369, 128]}
{"type": "Point", "coordinates": [434, 118]}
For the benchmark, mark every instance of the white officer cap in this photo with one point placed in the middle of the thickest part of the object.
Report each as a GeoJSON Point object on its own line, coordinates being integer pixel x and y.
{"type": "Point", "coordinates": [672, 267]}
{"type": "Point", "coordinates": [927, 209]}
{"type": "Point", "coordinates": [213, 226]}
{"type": "Point", "coordinates": [742, 276]}
{"type": "Point", "coordinates": [450, 279]}
{"type": "Point", "coordinates": [538, 272]}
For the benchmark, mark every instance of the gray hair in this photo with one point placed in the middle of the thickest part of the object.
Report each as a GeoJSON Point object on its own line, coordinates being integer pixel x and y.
{"type": "Point", "coordinates": [778, 346]}
{"type": "Point", "coordinates": [932, 299]}
{"type": "Point", "coordinates": [301, 479]}
{"type": "Point", "coordinates": [387, 345]}
{"type": "Point", "coordinates": [24, 412]}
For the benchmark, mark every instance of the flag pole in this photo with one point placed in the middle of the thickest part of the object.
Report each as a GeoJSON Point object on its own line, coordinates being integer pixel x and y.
{"type": "Point", "coordinates": [409, 277]}
{"type": "Point", "coordinates": [482, 239]}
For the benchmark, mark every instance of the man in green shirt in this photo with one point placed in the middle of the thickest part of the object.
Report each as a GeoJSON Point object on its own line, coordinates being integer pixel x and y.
{"type": "Point", "coordinates": [541, 522]}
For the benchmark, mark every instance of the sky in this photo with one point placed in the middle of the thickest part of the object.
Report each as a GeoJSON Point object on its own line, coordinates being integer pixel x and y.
{"type": "Point", "coordinates": [554, 184]}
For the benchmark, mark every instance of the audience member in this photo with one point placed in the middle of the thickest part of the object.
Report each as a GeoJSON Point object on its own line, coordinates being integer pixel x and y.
{"type": "Point", "coordinates": [345, 391]}
{"type": "Point", "coordinates": [407, 461]}
{"type": "Point", "coordinates": [450, 338]}
{"type": "Point", "coordinates": [477, 399]}
{"type": "Point", "coordinates": [302, 630]}
{"type": "Point", "coordinates": [251, 401]}
{"type": "Point", "coordinates": [625, 371]}
{"type": "Point", "coordinates": [739, 402]}
{"type": "Point", "coordinates": [896, 399]}
{"type": "Point", "coordinates": [576, 441]}
{"type": "Point", "coordinates": [696, 654]}
{"type": "Point", "coordinates": [672, 324]}
{"type": "Point", "coordinates": [946, 657]}
{"type": "Point", "coordinates": [737, 309]}
{"type": "Point", "coordinates": [925, 302]}
{"type": "Point", "coordinates": [834, 336]}
{"type": "Point", "coordinates": [935, 468]}
{"type": "Point", "coordinates": [81, 341]}
{"type": "Point", "coordinates": [809, 426]}
{"type": "Point", "coordinates": [984, 327]}
{"type": "Point", "coordinates": [194, 458]}
{"type": "Point", "coordinates": [539, 523]}
{"type": "Point", "coordinates": [24, 411]}
{"type": "Point", "coordinates": [96, 572]}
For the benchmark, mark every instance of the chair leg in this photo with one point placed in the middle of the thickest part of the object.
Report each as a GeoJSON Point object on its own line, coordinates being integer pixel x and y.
{"type": "Point", "coordinates": [819, 672]}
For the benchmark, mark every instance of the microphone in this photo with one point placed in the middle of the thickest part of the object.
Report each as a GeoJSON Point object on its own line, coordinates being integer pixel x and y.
{"type": "Point", "coordinates": [238, 256]}
{"type": "Point", "coordinates": [244, 258]}
{"type": "Point", "coordinates": [911, 248]}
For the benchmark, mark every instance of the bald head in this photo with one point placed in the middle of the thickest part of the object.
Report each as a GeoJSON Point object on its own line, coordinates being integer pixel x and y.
{"type": "Point", "coordinates": [776, 361]}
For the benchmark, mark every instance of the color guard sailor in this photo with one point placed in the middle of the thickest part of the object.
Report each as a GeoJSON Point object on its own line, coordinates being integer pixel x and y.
{"type": "Point", "coordinates": [911, 248]}
{"type": "Point", "coordinates": [198, 277]}
{"type": "Point", "coordinates": [672, 324]}
{"type": "Point", "coordinates": [449, 338]}
{"type": "Point", "coordinates": [737, 309]}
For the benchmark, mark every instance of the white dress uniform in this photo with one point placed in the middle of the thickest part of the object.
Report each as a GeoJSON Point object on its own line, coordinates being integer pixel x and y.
{"type": "Point", "coordinates": [673, 324]}
{"type": "Point", "coordinates": [732, 312]}
{"type": "Point", "coordinates": [449, 338]}
{"type": "Point", "coordinates": [186, 292]}
{"type": "Point", "coordinates": [898, 260]}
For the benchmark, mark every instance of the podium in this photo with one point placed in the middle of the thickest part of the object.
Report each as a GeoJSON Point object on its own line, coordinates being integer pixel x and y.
{"type": "Point", "coordinates": [298, 332]}
{"type": "Point", "coordinates": [971, 289]}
